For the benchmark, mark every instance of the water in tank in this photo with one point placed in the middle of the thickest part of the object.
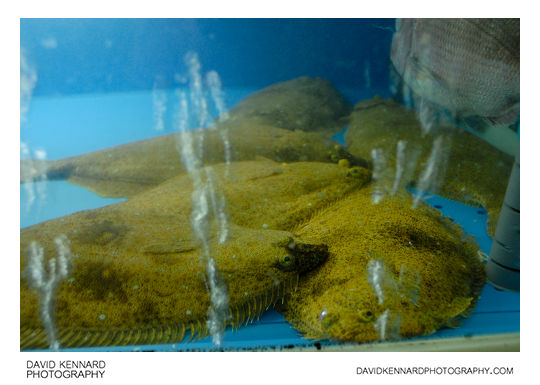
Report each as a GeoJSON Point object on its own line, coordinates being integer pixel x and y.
{"type": "Point", "coordinates": [269, 184]}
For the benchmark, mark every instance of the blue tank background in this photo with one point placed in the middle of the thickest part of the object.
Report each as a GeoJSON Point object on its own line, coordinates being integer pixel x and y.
{"type": "Point", "coordinates": [74, 56]}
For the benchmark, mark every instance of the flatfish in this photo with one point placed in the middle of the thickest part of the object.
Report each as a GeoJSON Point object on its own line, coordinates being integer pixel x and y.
{"type": "Point", "coordinates": [128, 169]}
{"type": "Point", "coordinates": [305, 103]}
{"type": "Point", "coordinates": [476, 172]}
{"type": "Point", "coordinates": [392, 272]}
{"type": "Point", "coordinates": [287, 122]}
{"type": "Point", "coordinates": [137, 276]}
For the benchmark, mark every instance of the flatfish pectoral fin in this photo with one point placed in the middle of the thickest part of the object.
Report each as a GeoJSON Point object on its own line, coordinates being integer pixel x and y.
{"type": "Point", "coordinates": [167, 248]}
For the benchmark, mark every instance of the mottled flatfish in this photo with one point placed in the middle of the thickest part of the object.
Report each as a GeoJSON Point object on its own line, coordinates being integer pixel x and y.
{"type": "Point", "coordinates": [134, 272]}
{"type": "Point", "coordinates": [126, 170]}
{"type": "Point", "coordinates": [475, 172]}
{"type": "Point", "coordinates": [392, 272]}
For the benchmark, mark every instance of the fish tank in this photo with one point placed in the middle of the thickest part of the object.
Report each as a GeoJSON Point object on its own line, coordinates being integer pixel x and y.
{"type": "Point", "coordinates": [269, 185]}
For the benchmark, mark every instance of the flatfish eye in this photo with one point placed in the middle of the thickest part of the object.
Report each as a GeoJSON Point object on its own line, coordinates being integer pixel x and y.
{"type": "Point", "coordinates": [356, 172]}
{"type": "Point", "coordinates": [286, 262]}
{"type": "Point", "coordinates": [366, 315]}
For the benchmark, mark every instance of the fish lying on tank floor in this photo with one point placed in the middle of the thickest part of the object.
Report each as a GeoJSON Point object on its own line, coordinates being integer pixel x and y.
{"type": "Point", "coordinates": [126, 170]}
{"type": "Point", "coordinates": [137, 275]}
{"type": "Point", "coordinates": [393, 272]}
{"type": "Point", "coordinates": [319, 214]}
{"type": "Point", "coordinates": [158, 294]}
{"type": "Point", "coordinates": [476, 173]}
{"type": "Point", "coordinates": [288, 121]}
{"type": "Point", "coordinates": [305, 103]}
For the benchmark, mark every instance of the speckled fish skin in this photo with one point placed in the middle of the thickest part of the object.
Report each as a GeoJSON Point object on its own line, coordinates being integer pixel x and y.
{"type": "Point", "coordinates": [477, 173]}
{"type": "Point", "coordinates": [137, 277]}
{"type": "Point", "coordinates": [467, 66]}
{"type": "Point", "coordinates": [287, 122]}
{"type": "Point", "coordinates": [429, 274]}
{"type": "Point", "coordinates": [158, 295]}
{"type": "Point", "coordinates": [137, 274]}
{"type": "Point", "coordinates": [129, 169]}
{"type": "Point", "coordinates": [305, 103]}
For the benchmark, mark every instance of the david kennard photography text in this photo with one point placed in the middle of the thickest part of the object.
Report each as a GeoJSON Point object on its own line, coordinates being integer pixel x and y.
{"type": "Point", "coordinates": [65, 369]}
